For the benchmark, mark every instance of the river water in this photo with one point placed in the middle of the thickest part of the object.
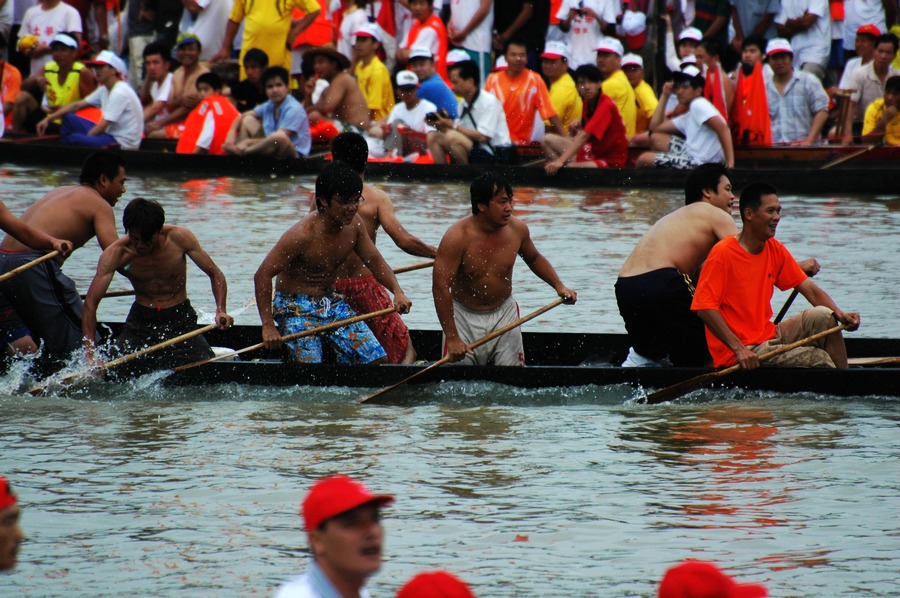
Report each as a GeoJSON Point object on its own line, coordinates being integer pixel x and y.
{"type": "Point", "coordinates": [144, 490]}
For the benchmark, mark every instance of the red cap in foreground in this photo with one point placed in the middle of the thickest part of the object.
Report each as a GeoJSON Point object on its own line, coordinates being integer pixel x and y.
{"type": "Point", "coordinates": [7, 498]}
{"type": "Point", "coordinates": [435, 584]}
{"type": "Point", "coordinates": [334, 495]}
{"type": "Point", "coordinates": [698, 579]}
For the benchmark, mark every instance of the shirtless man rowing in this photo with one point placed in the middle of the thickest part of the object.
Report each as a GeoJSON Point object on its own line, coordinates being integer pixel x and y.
{"type": "Point", "coordinates": [152, 256]}
{"type": "Point", "coordinates": [306, 261]}
{"type": "Point", "coordinates": [472, 280]}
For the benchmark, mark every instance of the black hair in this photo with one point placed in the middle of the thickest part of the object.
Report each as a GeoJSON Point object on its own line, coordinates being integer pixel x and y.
{"type": "Point", "coordinates": [887, 38]}
{"type": "Point", "coordinates": [2, 41]}
{"type": "Point", "coordinates": [751, 196]}
{"type": "Point", "coordinates": [144, 215]}
{"type": "Point", "coordinates": [98, 164]}
{"type": "Point", "coordinates": [485, 187]}
{"type": "Point", "coordinates": [514, 41]}
{"type": "Point", "coordinates": [257, 57]}
{"type": "Point", "coordinates": [755, 39]}
{"type": "Point", "coordinates": [468, 69]}
{"type": "Point", "coordinates": [705, 177]}
{"type": "Point", "coordinates": [712, 46]}
{"type": "Point", "coordinates": [589, 72]}
{"type": "Point", "coordinates": [892, 85]}
{"type": "Point", "coordinates": [338, 179]}
{"type": "Point", "coordinates": [154, 48]}
{"type": "Point", "coordinates": [697, 82]}
{"type": "Point", "coordinates": [211, 79]}
{"type": "Point", "coordinates": [351, 149]}
{"type": "Point", "coordinates": [276, 72]}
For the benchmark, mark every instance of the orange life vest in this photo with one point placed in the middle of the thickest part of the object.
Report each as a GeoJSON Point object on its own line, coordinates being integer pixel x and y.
{"type": "Point", "coordinates": [319, 32]}
{"type": "Point", "coordinates": [224, 114]}
{"type": "Point", "coordinates": [440, 60]}
{"type": "Point", "coordinates": [750, 122]}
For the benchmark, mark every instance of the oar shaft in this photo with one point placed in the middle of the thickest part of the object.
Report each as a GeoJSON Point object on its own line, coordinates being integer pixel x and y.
{"type": "Point", "coordinates": [31, 264]}
{"type": "Point", "coordinates": [849, 157]}
{"type": "Point", "coordinates": [786, 307]}
{"type": "Point", "coordinates": [412, 267]}
{"type": "Point", "coordinates": [157, 347]}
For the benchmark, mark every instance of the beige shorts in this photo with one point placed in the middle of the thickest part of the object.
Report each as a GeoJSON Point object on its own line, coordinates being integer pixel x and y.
{"type": "Point", "coordinates": [473, 325]}
{"type": "Point", "coordinates": [807, 323]}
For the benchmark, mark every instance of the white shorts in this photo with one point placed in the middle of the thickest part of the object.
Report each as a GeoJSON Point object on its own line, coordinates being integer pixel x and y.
{"type": "Point", "coordinates": [507, 349]}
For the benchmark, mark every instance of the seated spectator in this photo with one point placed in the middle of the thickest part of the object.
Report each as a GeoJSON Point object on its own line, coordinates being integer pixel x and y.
{"type": "Point", "coordinates": [615, 83]}
{"type": "Point", "coordinates": [207, 125]}
{"type": "Point", "coordinates": [798, 104]}
{"type": "Point", "coordinates": [480, 135]}
{"type": "Point", "coordinates": [563, 93]}
{"type": "Point", "coordinates": [431, 86]}
{"type": "Point", "coordinates": [342, 101]}
{"type": "Point", "coordinates": [706, 137]}
{"type": "Point", "coordinates": [183, 95]}
{"type": "Point", "coordinates": [585, 24]}
{"type": "Point", "coordinates": [882, 123]}
{"type": "Point", "coordinates": [600, 141]}
{"type": "Point", "coordinates": [864, 46]}
{"type": "Point", "coordinates": [61, 81]}
{"type": "Point", "coordinates": [868, 82]}
{"type": "Point", "coordinates": [122, 115]}
{"type": "Point", "coordinates": [250, 92]}
{"type": "Point", "coordinates": [157, 85]}
{"type": "Point", "coordinates": [719, 87]}
{"type": "Point", "coordinates": [42, 22]}
{"type": "Point", "coordinates": [10, 87]}
{"type": "Point", "coordinates": [524, 97]}
{"type": "Point", "coordinates": [408, 113]}
{"type": "Point", "coordinates": [278, 128]}
{"type": "Point", "coordinates": [426, 31]}
{"type": "Point", "coordinates": [644, 96]}
{"type": "Point", "coordinates": [750, 122]}
{"type": "Point", "coordinates": [371, 75]}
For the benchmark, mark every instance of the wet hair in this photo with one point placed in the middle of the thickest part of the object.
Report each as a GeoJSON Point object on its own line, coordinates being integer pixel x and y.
{"type": "Point", "coordinates": [468, 69]}
{"type": "Point", "coordinates": [751, 196]}
{"type": "Point", "coordinates": [275, 72]}
{"type": "Point", "coordinates": [757, 40]}
{"type": "Point", "coordinates": [705, 177]}
{"type": "Point", "coordinates": [485, 187]}
{"type": "Point", "coordinates": [892, 85]}
{"type": "Point", "coordinates": [351, 149]}
{"type": "Point", "coordinates": [98, 164]}
{"type": "Point", "coordinates": [257, 57]}
{"type": "Point", "coordinates": [712, 46]}
{"type": "Point", "coordinates": [154, 48]}
{"type": "Point", "coordinates": [336, 179]}
{"type": "Point", "coordinates": [887, 38]}
{"type": "Point", "coordinates": [145, 216]}
{"type": "Point", "coordinates": [589, 72]}
{"type": "Point", "coordinates": [211, 79]}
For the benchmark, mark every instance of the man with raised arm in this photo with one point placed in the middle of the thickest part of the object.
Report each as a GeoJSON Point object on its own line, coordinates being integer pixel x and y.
{"type": "Point", "coordinates": [43, 297]}
{"type": "Point", "coordinates": [306, 261]}
{"type": "Point", "coordinates": [472, 281]}
{"type": "Point", "coordinates": [151, 256]}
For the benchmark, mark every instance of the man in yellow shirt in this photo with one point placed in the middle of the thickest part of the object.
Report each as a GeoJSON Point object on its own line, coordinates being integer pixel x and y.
{"type": "Point", "coordinates": [371, 75]}
{"type": "Point", "coordinates": [882, 119]}
{"type": "Point", "coordinates": [645, 98]}
{"type": "Point", "coordinates": [563, 93]}
{"type": "Point", "coordinates": [615, 83]}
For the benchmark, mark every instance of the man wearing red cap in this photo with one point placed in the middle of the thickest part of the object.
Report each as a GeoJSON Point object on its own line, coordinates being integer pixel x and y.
{"type": "Point", "coordinates": [864, 47]}
{"type": "Point", "coordinates": [343, 525]}
{"type": "Point", "coordinates": [11, 535]}
{"type": "Point", "coordinates": [704, 580]}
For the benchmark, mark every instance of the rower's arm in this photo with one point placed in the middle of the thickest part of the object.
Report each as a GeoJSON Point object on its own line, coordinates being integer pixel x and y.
{"type": "Point", "coordinates": [719, 327]}
{"type": "Point", "coordinates": [110, 261]}
{"type": "Point", "coordinates": [105, 225]}
{"type": "Point", "coordinates": [446, 265]}
{"type": "Point", "coordinates": [284, 251]}
{"type": "Point", "coordinates": [817, 297]}
{"type": "Point", "coordinates": [192, 249]}
{"type": "Point", "coordinates": [373, 260]}
{"type": "Point", "coordinates": [402, 237]}
{"type": "Point", "coordinates": [543, 269]}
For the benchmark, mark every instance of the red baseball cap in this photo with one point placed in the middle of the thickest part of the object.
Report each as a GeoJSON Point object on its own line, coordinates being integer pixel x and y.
{"type": "Point", "coordinates": [869, 29]}
{"type": "Point", "coordinates": [7, 498]}
{"type": "Point", "coordinates": [700, 579]}
{"type": "Point", "coordinates": [435, 584]}
{"type": "Point", "coordinates": [331, 496]}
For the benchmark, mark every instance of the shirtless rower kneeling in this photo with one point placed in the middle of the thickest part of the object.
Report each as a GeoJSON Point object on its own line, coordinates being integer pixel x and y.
{"type": "Point", "coordinates": [152, 256]}
{"type": "Point", "coordinates": [306, 261]}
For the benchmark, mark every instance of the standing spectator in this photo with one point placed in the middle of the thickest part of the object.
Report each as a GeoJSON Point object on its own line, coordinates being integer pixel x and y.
{"type": "Point", "coordinates": [44, 20]}
{"type": "Point", "coordinates": [750, 122]}
{"type": "Point", "coordinates": [798, 104]}
{"type": "Point", "coordinates": [645, 99]}
{"type": "Point", "coordinates": [206, 19]}
{"type": "Point", "coordinates": [868, 81]}
{"type": "Point", "coordinates": [11, 536]}
{"type": "Point", "coordinates": [615, 83]}
{"type": "Point", "coordinates": [719, 87]}
{"type": "Point", "coordinates": [470, 26]}
{"type": "Point", "coordinates": [353, 18]}
{"type": "Point", "coordinates": [431, 86]}
{"type": "Point", "coordinates": [711, 18]}
{"type": "Point", "coordinates": [250, 91]}
{"type": "Point", "coordinates": [563, 93]}
{"type": "Point", "coordinates": [6, 23]}
{"type": "Point", "coordinates": [157, 85]}
{"type": "Point", "coordinates": [753, 17]}
{"type": "Point", "coordinates": [879, 13]}
{"type": "Point", "coordinates": [807, 24]}
{"type": "Point", "coordinates": [426, 31]}
{"type": "Point", "coordinates": [864, 46]}
{"type": "Point", "coordinates": [585, 23]}
{"type": "Point", "coordinates": [372, 76]}
{"type": "Point", "coordinates": [523, 20]}
{"type": "Point", "coordinates": [882, 122]}
{"type": "Point", "coordinates": [524, 96]}
{"type": "Point", "coordinates": [688, 40]}
{"type": "Point", "coordinates": [16, 58]}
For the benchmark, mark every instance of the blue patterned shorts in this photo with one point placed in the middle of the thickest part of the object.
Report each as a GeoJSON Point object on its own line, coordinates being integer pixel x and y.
{"type": "Point", "coordinates": [354, 344]}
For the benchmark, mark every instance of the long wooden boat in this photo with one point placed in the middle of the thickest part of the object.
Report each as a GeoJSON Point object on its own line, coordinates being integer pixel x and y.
{"type": "Point", "coordinates": [790, 169]}
{"type": "Point", "coordinates": [555, 360]}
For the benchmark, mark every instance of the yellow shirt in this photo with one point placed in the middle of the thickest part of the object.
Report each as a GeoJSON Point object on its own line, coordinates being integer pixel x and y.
{"type": "Point", "coordinates": [375, 82]}
{"type": "Point", "coordinates": [621, 93]}
{"type": "Point", "coordinates": [565, 99]}
{"type": "Point", "coordinates": [873, 115]}
{"type": "Point", "coordinates": [646, 106]}
{"type": "Point", "coordinates": [266, 26]}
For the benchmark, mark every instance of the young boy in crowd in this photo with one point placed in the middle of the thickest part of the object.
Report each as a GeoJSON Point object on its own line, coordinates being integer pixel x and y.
{"type": "Point", "coordinates": [209, 122]}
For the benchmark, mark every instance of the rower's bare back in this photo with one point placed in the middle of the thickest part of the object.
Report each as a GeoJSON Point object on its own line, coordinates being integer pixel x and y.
{"type": "Point", "coordinates": [319, 253]}
{"type": "Point", "coordinates": [484, 278]}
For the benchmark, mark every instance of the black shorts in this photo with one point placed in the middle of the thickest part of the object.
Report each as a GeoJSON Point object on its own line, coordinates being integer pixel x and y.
{"type": "Point", "coordinates": [147, 326]}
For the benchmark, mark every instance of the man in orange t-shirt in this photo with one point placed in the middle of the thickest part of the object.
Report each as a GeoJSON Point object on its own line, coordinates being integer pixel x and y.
{"type": "Point", "coordinates": [734, 295]}
{"type": "Point", "coordinates": [523, 93]}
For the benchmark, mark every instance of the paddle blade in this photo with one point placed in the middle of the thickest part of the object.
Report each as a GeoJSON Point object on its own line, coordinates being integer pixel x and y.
{"type": "Point", "coordinates": [684, 387]}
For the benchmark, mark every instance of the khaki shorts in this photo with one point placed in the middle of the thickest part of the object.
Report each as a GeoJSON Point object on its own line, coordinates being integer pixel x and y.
{"type": "Point", "coordinates": [807, 323]}
{"type": "Point", "coordinates": [473, 325]}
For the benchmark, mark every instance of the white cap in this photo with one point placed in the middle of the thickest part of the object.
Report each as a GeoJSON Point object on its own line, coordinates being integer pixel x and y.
{"type": "Point", "coordinates": [407, 79]}
{"type": "Point", "coordinates": [368, 30]}
{"type": "Point", "coordinates": [555, 49]}
{"type": "Point", "coordinates": [690, 71]}
{"type": "Point", "coordinates": [690, 33]}
{"type": "Point", "coordinates": [501, 64]}
{"type": "Point", "coordinates": [610, 44]}
{"type": "Point", "coordinates": [688, 59]}
{"type": "Point", "coordinates": [632, 59]}
{"type": "Point", "coordinates": [420, 52]}
{"type": "Point", "coordinates": [107, 57]}
{"type": "Point", "coordinates": [778, 45]}
{"type": "Point", "coordinates": [457, 55]}
{"type": "Point", "coordinates": [634, 23]}
{"type": "Point", "coordinates": [64, 39]}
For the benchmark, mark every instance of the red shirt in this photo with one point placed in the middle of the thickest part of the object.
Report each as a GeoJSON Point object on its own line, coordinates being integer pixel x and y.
{"type": "Point", "coordinates": [608, 139]}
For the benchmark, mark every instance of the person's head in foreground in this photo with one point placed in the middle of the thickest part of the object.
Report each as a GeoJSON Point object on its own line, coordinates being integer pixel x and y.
{"type": "Point", "coordinates": [698, 579]}
{"type": "Point", "coordinates": [435, 584]}
{"type": "Point", "coordinates": [11, 535]}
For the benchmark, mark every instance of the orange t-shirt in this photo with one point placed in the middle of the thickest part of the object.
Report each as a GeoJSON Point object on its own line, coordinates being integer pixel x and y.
{"type": "Point", "coordinates": [10, 86]}
{"type": "Point", "coordinates": [739, 285]}
{"type": "Point", "coordinates": [521, 97]}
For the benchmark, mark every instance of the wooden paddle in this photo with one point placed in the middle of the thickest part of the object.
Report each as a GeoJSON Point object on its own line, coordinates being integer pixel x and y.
{"type": "Point", "coordinates": [874, 361]}
{"type": "Point", "coordinates": [676, 390]}
{"type": "Point", "coordinates": [122, 293]}
{"type": "Point", "coordinates": [290, 337]}
{"type": "Point", "coordinates": [39, 389]}
{"type": "Point", "coordinates": [31, 264]}
{"type": "Point", "coordinates": [849, 157]}
{"type": "Point", "coordinates": [471, 347]}
{"type": "Point", "coordinates": [412, 267]}
{"type": "Point", "coordinates": [785, 307]}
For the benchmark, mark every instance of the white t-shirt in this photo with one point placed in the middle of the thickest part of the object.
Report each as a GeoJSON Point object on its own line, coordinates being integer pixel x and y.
{"type": "Point", "coordinates": [850, 67]}
{"type": "Point", "coordinates": [425, 38]}
{"type": "Point", "coordinates": [814, 44]}
{"type": "Point", "coordinates": [479, 39]}
{"type": "Point", "coordinates": [415, 118]}
{"type": "Point", "coordinates": [585, 34]}
{"type": "Point", "coordinates": [209, 25]}
{"type": "Point", "coordinates": [860, 12]}
{"type": "Point", "coordinates": [488, 116]}
{"type": "Point", "coordinates": [303, 587]}
{"type": "Point", "coordinates": [45, 24]}
{"type": "Point", "coordinates": [122, 108]}
{"type": "Point", "coordinates": [6, 19]}
{"type": "Point", "coordinates": [350, 23]}
{"type": "Point", "coordinates": [159, 92]}
{"type": "Point", "coordinates": [702, 143]}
